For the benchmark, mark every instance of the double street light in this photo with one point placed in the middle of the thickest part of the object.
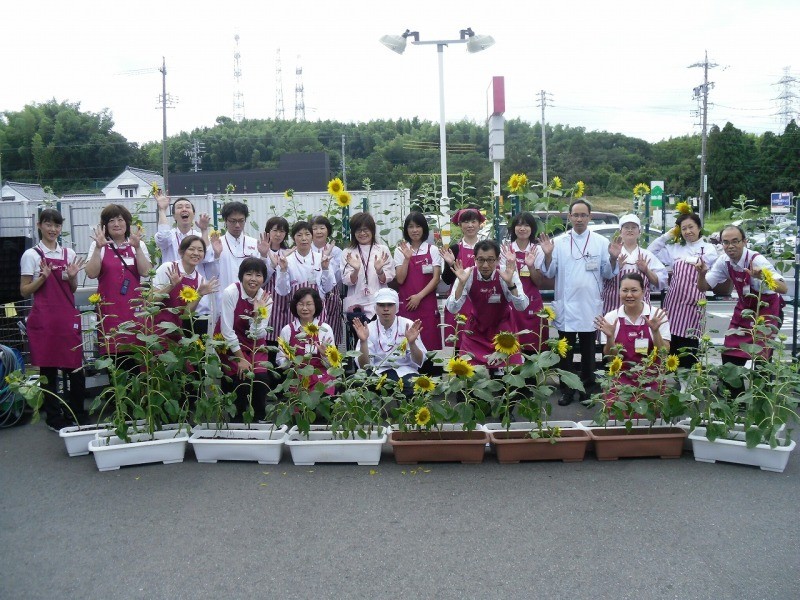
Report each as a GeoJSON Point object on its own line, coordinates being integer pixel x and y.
{"type": "Point", "coordinates": [475, 43]}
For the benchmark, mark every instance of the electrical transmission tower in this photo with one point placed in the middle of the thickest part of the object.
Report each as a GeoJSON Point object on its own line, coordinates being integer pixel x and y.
{"type": "Point", "coordinates": [786, 98]}
{"type": "Point", "coordinates": [299, 100]}
{"type": "Point", "coordinates": [279, 112]}
{"type": "Point", "coordinates": [195, 154]}
{"type": "Point", "coordinates": [542, 101]}
{"type": "Point", "coordinates": [701, 95]}
{"type": "Point", "coordinates": [238, 101]}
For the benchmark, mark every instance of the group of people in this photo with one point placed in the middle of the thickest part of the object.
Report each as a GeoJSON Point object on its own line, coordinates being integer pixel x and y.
{"type": "Point", "coordinates": [387, 301]}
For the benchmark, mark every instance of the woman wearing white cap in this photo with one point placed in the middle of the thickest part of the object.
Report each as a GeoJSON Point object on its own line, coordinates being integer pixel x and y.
{"type": "Point", "coordinates": [633, 259]}
{"type": "Point", "coordinates": [391, 345]}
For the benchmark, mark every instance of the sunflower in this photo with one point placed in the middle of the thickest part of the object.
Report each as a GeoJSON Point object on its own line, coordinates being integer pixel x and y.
{"type": "Point", "coordinates": [95, 298]}
{"type": "Point", "coordinates": [698, 367]}
{"type": "Point", "coordinates": [672, 363]}
{"type": "Point", "coordinates": [760, 320]}
{"type": "Point", "coordinates": [334, 356]}
{"type": "Point", "coordinates": [652, 358]}
{"type": "Point", "coordinates": [640, 189]}
{"type": "Point", "coordinates": [286, 348]}
{"type": "Point", "coordinates": [458, 367]}
{"type": "Point", "coordinates": [517, 181]}
{"type": "Point", "coordinates": [401, 347]}
{"type": "Point", "coordinates": [311, 330]}
{"type": "Point", "coordinates": [683, 208]}
{"type": "Point", "coordinates": [343, 199]}
{"type": "Point", "coordinates": [423, 416]}
{"type": "Point", "coordinates": [154, 188]}
{"type": "Point", "coordinates": [580, 189]}
{"type": "Point", "coordinates": [288, 193]}
{"type": "Point", "coordinates": [189, 294]}
{"type": "Point", "coordinates": [550, 313]}
{"type": "Point", "coordinates": [702, 302]}
{"type": "Point", "coordinates": [200, 344]}
{"type": "Point", "coordinates": [769, 279]}
{"type": "Point", "coordinates": [335, 186]}
{"type": "Point", "coordinates": [380, 383]}
{"type": "Point", "coordinates": [261, 312]}
{"type": "Point", "coordinates": [675, 232]}
{"type": "Point", "coordinates": [461, 318]}
{"type": "Point", "coordinates": [615, 367]}
{"type": "Point", "coordinates": [556, 183]}
{"type": "Point", "coordinates": [218, 337]}
{"type": "Point", "coordinates": [562, 347]}
{"type": "Point", "coordinates": [506, 342]}
{"type": "Point", "coordinates": [423, 383]}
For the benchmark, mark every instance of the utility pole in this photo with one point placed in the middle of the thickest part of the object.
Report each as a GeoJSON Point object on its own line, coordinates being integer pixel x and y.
{"type": "Point", "coordinates": [701, 92]}
{"type": "Point", "coordinates": [299, 98]}
{"type": "Point", "coordinates": [279, 112]}
{"type": "Point", "coordinates": [786, 98]}
{"type": "Point", "coordinates": [344, 167]}
{"type": "Point", "coordinates": [195, 154]}
{"type": "Point", "coordinates": [238, 102]}
{"type": "Point", "coordinates": [543, 97]}
{"type": "Point", "coordinates": [164, 157]}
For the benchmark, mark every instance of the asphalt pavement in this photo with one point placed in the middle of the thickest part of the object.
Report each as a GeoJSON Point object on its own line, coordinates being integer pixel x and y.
{"type": "Point", "coordinates": [636, 528]}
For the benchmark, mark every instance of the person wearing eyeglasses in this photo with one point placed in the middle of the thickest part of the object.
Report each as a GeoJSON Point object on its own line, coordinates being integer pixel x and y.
{"type": "Point", "coordinates": [494, 293]}
{"type": "Point", "coordinates": [580, 263]}
{"type": "Point", "coordinates": [749, 271]}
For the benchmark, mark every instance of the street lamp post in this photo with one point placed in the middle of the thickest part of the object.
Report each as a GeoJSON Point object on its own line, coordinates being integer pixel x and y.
{"type": "Point", "coordinates": [475, 43]}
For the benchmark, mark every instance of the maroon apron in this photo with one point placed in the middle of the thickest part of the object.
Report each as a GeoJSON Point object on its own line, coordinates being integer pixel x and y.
{"type": "Point", "coordinates": [174, 301]}
{"type": "Point", "coordinates": [528, 319]}
{"type": "Point", "coordinates": [772, 312]}
{"type": "Point", "coordinates": [627, 336]}
{"type": "Point", "coordinates": [280, 314]}
{"type": "Point", "coordinates": [486, 319]}
{"type": "Point", "coordinates": [467, 258]}
{"type": "Point", "coordinates": [333, 307]}
{"type": "Point", "coordinates": [428, 309]}
{"type": "Point", "coordinates": [682, 298]}
{"type": "Point", "coordinates": [298, 285]}
{"type": "Point", "coordinates": [115, 307]}
{"type": "Point", "coordinates": [241, 327]}
{"type": "Point", "coordinates": [54, 325]}
{"type": "Point", "coordinates": [320, 370]}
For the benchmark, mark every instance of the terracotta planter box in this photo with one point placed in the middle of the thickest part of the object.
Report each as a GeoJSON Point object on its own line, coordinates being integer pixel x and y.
{"type": "Point", "coordinates": [412, 447]}
{"type": "Point", "coordinates": [514, 445]}
{"type": "Point", "coordinates": [614, 443]}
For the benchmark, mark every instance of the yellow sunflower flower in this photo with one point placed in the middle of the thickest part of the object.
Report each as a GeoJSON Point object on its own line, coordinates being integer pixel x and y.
{"type": "Point", "coordinates": [334, 356]}
{"type": "Point", "coordinates": [218, 337]}
{"type": "Point", "coordinates": [675, 232]}
{"type": "Point", "coordinates": [652, 358]}
{"type": "Point", "coordinates": [672, 363]}
{"type": "Point", "coordinates": [288, 193]}
{"type": "Point", "coordinates": [562, 347]}
{"type": "Point", "coordinates": [683, 208]}
{"type": "Point", "coordinates": [262, 312]}
{"type": "Point", "coordinates": [401, 347]}
{"type": "Point", "coordinates": [286, 348]}
{"type": "Point", "coordinates": [461, 318]}
{"type": "Point", "coordinates": [769, 279]}
{"type": "Point", "coordinates": [698, 367]}
{"type": "Point", "coordinates": [154, 187]}
{"type": "Point", "coordinates": [615, 367]}
{"type": "Point", "coordinates": [640, 189]}
{"type": "Point", "coordinates": [506, 342]}
{"type": "Point", "coordinates": [458, 367]}
{"type": "Point", "coordinates": [381, 381]}
{"type": "Point", "coordinates": [580, 189]}
{"type": "Point", "coordinates": [311, 329]}
{"type": "Point", "coordinates": [550, 313]}
{"type": "Point", "coordinates": [760, 320]}
{"type": "Point", "coordinates": [188, 294]}
{"type": "Point", "coordinates": [95, 298]}
{"type": "Point", "coordinates": [555, 184]}
{"type": "Point", "coordinates": [423, 416]}
{"type": "Point", "coordinates": [200, 343]}
{"type": "Point", "coordinates": [344, 199]}
{"type": "Point", "coordinates": [335, 186]}
{"type": "Point", "coordinates": [424, 383]}
{"type": "Point", "coordinates": [517, 181]}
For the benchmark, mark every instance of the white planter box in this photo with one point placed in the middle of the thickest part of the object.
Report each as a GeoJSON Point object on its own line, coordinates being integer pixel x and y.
{"type": "Point", "coordinates": [261, 443]}
{"type": "Point", "coordinates": [321, 447]}
{"type": "Point", "coordinates": [111, 452]}
{"type": "Point", "coordinates": [736, 451]}
{"type": "Point", "coordinates": [77, 438]}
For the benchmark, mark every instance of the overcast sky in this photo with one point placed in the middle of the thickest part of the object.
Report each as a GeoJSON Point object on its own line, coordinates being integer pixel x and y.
{"type": "Point", "coordinates": [619, 66]}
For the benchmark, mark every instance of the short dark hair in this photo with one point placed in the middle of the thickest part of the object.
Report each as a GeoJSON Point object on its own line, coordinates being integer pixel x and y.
{"type": "Point", "coordinates": [689, 216]}
{"type": "Point", "coordinates": [357, 221]}
{"type": "Point", "coordinates": [419, 219]}
{"type": "Point", "coordinates": [252, 264]}
{"type": "Point", "coordinates": [323, 220]}
{"type": "Point", "coordinates": [485, 245]}
{"type": "Point", "coordinates": [182, 200]}
{"type": "Point", "coordinates": [523, 218]}
{"type": "Point", "coordinates": [112, 211]}
{"type": "Point", "coordinates": [579, 201]}
{"type": "Point", "coordinates": [299, 226]}
{"type": "Point", "coordinates": [632, 275]}
{"type": "Point", "coordinates": [234, 207]}
{"type": "Point", "coordinates": [188, 241]}
{"type": "Point", "coordinates": [51, 215]}
{"type": "Point", "coordinates": [302, 293]}
{"type": "Point", "coordinates": [737, 228]}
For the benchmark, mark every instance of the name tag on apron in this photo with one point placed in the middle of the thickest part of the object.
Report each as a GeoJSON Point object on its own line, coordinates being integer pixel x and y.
{"type": "Point", "coordinates": [427, 269]}
{"type": "Point", "coordinates": [128, 260]}
{"type": "Point", "coordinates": [592, 263]}
{"type": "Point", "coordinates": [640, 345]}
{"type": "Point", "coordinates": [494, 299]}
{"type": "Point", "coordinates": [524, 271]}
{"type": "Point", "coordinates": [745, 290]}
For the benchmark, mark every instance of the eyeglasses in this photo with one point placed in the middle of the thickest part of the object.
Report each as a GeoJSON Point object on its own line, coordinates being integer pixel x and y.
{"type": "Point", "coordinates": [235, 221]}
{"type": "Point", "coordinates": [580, 215]}
{"type": "Point", "coordinates": [485, 261]}
{"type": "Point", "coordinates": [364, 230]}
{"type": "Point", "coordinates": [727, 243]}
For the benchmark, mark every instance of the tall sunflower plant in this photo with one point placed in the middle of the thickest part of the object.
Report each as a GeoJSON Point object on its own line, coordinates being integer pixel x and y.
{"type": "Point", "coordinates": [425, 408]}
{"type": "Point", "coordinates": [552, 196]}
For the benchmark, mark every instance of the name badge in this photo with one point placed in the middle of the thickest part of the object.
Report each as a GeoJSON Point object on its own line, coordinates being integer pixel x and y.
{"type": "Point", "coordinates": [128, 260]}
{"type": "Point", "coordinates": [592, 263]}
{"type": "Point", "coordinates": [641, 345]}
{"type": "Point", "coordinates": [745, 290]}
{"type": "Point", "coordinates": [524, 271]}
{"type": "Point", "coordinates": [494, 299]}
{"type": "Point", "coordinates": [427, 269]}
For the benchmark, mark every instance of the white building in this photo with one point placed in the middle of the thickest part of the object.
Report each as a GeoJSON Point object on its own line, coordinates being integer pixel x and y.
{"type": "Point", "coordinates": [30, 192]}
{"type": "Point", "coordinates": [132, 183]}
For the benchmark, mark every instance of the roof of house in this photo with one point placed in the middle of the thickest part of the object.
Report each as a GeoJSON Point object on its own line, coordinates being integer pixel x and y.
{"type": "Point", "coordinates": [147, 176]}
{"type": "Point", "coordinates": [31, 191]}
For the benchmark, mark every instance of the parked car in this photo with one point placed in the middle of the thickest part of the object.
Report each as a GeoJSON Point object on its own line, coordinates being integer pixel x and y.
{"type": "Point", "coordinates": [553, 222]}
{"type": "Point", "coordinates": [777, 240]}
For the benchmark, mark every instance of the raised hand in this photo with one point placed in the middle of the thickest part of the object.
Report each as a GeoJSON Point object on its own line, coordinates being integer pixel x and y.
{"type": "Point", "coordinates": [174, 275]}
{"type": "Point", "coordinates": [405, 249]}
{"type": "Point", "coordinates": [162, 201]}
{"type": "Point", "coordinates": [99, 236]}
{"type": "Point", "coordinates": [657, 318]}
{"type": "Point", "coordinates": [413, 331]}
{"type": "Point", "coordinates": [510, 256]}
{"type": "Point", "coordinates": [280, 257]}
{"type": "Point", "coordinates": [74, 267]}
{"type": "Point", "coordinates": [608, 329]}
{"type": "Point", "coordinates": [216, 243]}
{"type": "Point", "coordinates": [361, 331]}
{"type": "Point", "coordinates": [459, 271]}
{"type": "Point", "coordinates": [354, 260]}
{"type": "Point", "coordinates": [701, 266]}
{"type": "Point", "coordinates": [615, 248]}
{"type": "Point", "coordinates": [135, 238]}
{"type": "Point", "coordinates": [327, 251]}
{"type": "Point", "coordinates": [530, 257]}
{"type": "Point", "coordinates": [209, 286]}
{"type": "Point", "coordinates": [546, 244]}
{"type": "Point", "coordinates": [380, 262]}
{"type": "Point", "coordinates": [263, 245]}
{"type": "Point", "coordinates": [643, 262]}
{"type": "Point", "coordinates": [45, 268]}
{"type": "Point", "coordinates": [621, 259]}
{"type": "Point", "coordinates": [447, 254]}
{"type": "Point", "coordinates": [202, 222]}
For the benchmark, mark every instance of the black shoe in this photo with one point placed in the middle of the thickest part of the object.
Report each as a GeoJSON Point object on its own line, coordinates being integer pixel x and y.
{"type": "Point", "coordinates": [566, 398]}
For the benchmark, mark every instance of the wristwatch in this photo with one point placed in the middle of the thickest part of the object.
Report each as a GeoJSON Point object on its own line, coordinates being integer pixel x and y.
{"type": "Point", "coordinates": [511, 288]}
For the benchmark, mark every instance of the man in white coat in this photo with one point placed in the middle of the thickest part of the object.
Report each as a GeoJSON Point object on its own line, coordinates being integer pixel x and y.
{"type": "Point", "coordinates": [579, 262]}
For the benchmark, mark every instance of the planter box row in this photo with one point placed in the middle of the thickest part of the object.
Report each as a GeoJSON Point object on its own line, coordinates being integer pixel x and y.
{"type": "Point", "coordinates": [264, 444]}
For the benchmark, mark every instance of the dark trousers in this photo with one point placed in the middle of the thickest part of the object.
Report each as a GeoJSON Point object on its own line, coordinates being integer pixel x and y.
{"type": "Point", "coordinates": [261, 385]}
{"type": "Point", "coordinates": [586, 345]}
{"type": "Point", "coordinates": [74, 393]}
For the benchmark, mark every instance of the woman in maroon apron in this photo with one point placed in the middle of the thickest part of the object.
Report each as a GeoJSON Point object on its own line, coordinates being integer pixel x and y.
{"type": "Point", "coordinates": [529, 266]}
{"type": "Point", "coordinates": [307, 306]}
{"type": "Point", "coordinates": [418, 269]}
{"type": "Point", "coordinates": [322, 229]}
{"type": "Point", "coordinates": [469, 220]}
{"type": "Point", "coordinates": [118, 260]}
{"type": "Point", "coordinates": [637, 328]}
{"type": "Point", "coordinates": [277, 231]}
{"type": "Point", "coordinates": [49, 273]}
{"type": "Point", "coordinates": [243, 323]}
